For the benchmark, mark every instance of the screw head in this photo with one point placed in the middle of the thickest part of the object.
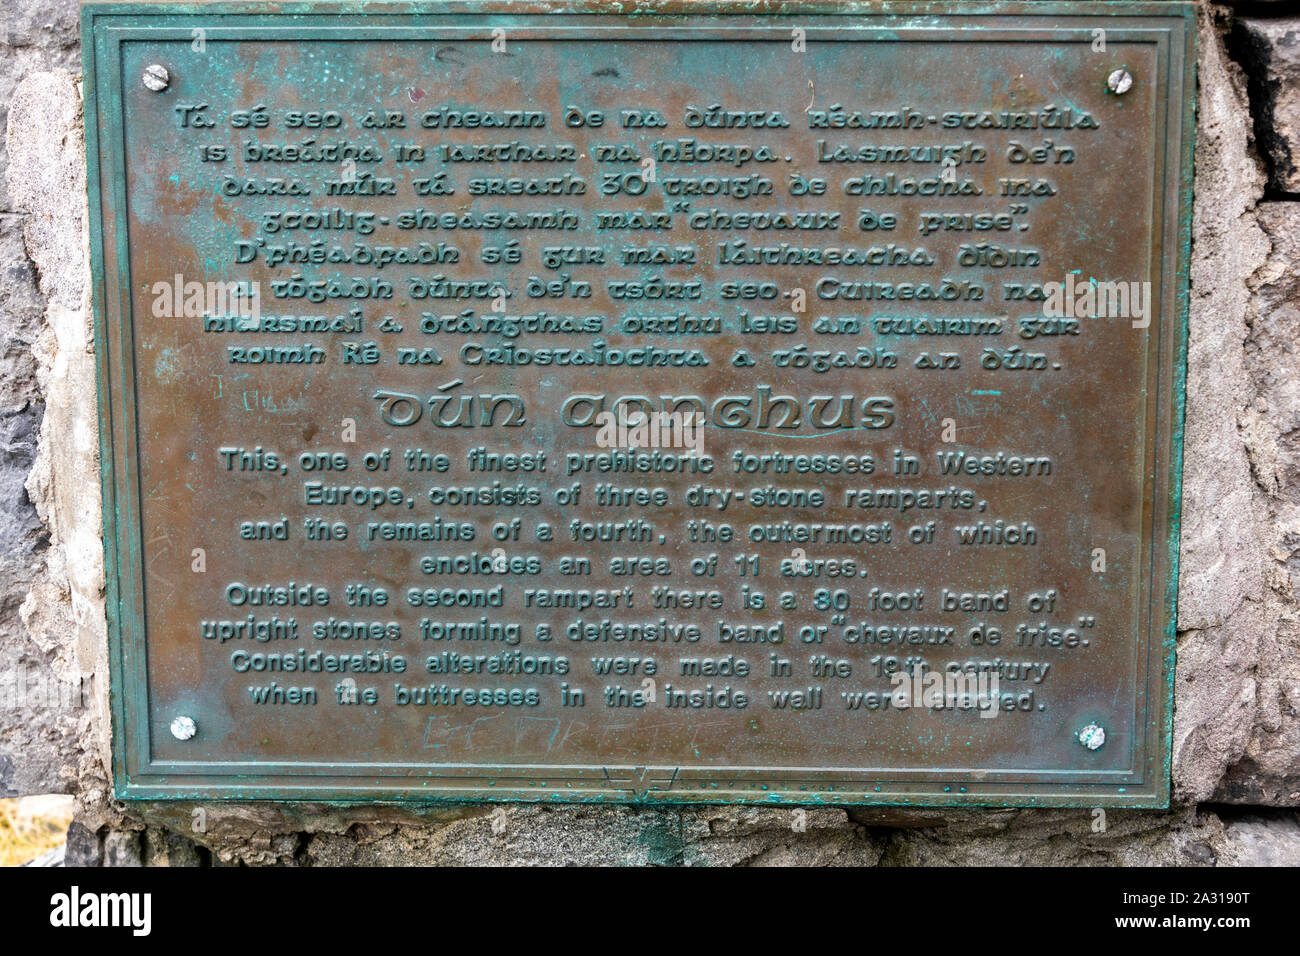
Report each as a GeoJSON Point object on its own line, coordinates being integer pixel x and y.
{"type": "Point", "coordinates": [1092, 736]}
{"type": "Point", "coordinates": [155, 78]}
{"type": "Point", "coordinates": [1120, 82]}
{"type": "Point", "coordinates": [183, 728]}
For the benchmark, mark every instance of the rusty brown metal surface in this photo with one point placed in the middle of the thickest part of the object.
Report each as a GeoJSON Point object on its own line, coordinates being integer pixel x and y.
{"type": "Point", "coordinates": [1089, 406]}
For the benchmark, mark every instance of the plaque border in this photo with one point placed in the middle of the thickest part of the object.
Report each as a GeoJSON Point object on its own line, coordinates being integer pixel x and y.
{"type": "Point", "coordinates": [1171, 25]}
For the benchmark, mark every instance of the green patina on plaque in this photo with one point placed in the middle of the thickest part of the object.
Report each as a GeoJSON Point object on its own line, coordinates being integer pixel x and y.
{"type": "Point", "coordinates": [751, 403]}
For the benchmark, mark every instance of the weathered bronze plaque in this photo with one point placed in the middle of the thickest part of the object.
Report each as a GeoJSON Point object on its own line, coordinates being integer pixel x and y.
{"type": "Point", "coordinates": [725, 402]}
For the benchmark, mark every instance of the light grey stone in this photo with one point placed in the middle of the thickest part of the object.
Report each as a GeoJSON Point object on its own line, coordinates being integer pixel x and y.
{"type": "Point", "coordinates": [48, 647]}
{"type": "Point", "coordinates": [1226, 609]}
{"type": "Point", "coordinates": [122, 848]}
{"type": "Point", "coordinates": [35, 35]}
{"type": "Point", "coordinates": [1268, 771]}
{"type": "Point", "coordinates": [1263, 841]}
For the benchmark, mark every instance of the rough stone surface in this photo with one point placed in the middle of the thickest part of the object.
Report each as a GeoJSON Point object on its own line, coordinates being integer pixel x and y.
{"type": "Point", "coordinates": [1230, 594]}
{"type": "Point", "coordinates": [1257, 840]}
{"type": "Point", "coordinates": [63, 613]}
{"type": "Point", "coordinates": [122, 848]}
{"type": "Point", "coordinates": [1272, 51]}
{"type": "Point", "coordinates": [83, 847]}
{"type": "Point", "coordinates": [1268, 771]}
{"type": "Point", "coordinates": [1235, 738]}
{"type": "Point", "coordinates": [165, 848]}
{"type": "Point", "coordinates": [35, 35]}
{"type": "Point", "coordinates": [529, 835]}
{"type": "Point", "coordinates": [43, 718]}
{"type": "Point", "coordinates": [1065, 838]}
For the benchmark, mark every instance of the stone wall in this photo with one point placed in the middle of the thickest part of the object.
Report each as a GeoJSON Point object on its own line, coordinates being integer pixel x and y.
{"type": "Point", "coordinates": [38, 733]}
{"type": "Point", "coordinates": [1236, 753]}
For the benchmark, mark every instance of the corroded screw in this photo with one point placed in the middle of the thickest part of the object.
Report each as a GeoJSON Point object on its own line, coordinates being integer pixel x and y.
{"type": "Point", "coordinates": [155, 78]}
{"type": "Point", "coordinates": [183, 728]}
{"type": "Point", "coordinates": [1092, 736]}
{"type": "Point", "coordinates": [1120, 82]}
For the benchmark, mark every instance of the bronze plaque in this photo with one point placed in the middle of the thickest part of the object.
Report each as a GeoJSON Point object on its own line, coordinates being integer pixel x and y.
{"type": "Point", "coordinates": [716, 404]}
